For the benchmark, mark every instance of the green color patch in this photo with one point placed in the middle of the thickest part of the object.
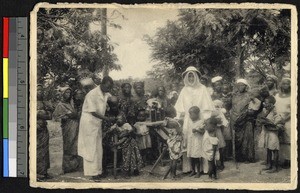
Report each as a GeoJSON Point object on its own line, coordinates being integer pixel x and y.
{"type": "Point", "coordinates": [5, 118]}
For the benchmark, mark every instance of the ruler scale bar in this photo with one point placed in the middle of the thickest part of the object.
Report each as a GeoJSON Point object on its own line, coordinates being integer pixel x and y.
{"type": "Point", "coordinates": [12, 70]}
{"type": "Point", "coordinates": [22, 98]}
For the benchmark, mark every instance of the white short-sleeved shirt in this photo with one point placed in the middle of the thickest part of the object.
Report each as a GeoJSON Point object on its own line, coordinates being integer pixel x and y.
{"type": "Point", "coordinates": [90, 126]}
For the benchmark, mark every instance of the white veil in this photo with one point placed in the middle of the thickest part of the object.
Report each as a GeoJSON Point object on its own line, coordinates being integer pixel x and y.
{"type": "Point", "coordinates": [196, 81]}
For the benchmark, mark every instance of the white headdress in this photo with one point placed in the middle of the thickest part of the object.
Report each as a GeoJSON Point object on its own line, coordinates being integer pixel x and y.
{"type": "Point", "coordinates": [244, 81]}
{"type": "Point", "coordinates": [216, 79]}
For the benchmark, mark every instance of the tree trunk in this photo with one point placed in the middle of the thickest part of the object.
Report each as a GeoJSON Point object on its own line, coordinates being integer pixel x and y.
{"type": "Point", "coordinates": [104, 40]}
{"type": "Point", "coordinates": [239, 61]}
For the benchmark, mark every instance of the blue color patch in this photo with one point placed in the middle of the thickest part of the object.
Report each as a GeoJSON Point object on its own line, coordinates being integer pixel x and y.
{"type": "Point", "coordinates": [5, 158]}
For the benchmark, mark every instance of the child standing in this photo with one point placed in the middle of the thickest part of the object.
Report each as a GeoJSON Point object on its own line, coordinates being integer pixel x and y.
{"type": "Point", "coordinates": [143, 137]}
{"type": "Point", "coordinates": [194, 140]}
{"type": "Point", "coordinates": [271, 125]}
{"type": "Point", "coordinates": [132, 160]}
{"type": "Point", "coordinates": [210, 147]}
{"type": "Point", "coordinates": [174, 143]}
{"type": "Point", "coordinates": [221, 129]}
{"type": "Point", "coordinates": [227, 104]}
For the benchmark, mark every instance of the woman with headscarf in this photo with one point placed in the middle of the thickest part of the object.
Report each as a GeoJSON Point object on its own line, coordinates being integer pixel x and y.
{"type": "Point", "coordinates": [69, 118]}
{"type": "Point", "coordinates": [140, 100]}
{"type": "Point", "coordinates": [271, 82]}
{"type": "Point", "coordinates": [162, 99]}
{"type": "Point", "coordinates": [217, 85]}
{"type": "Point", "coordinates": [78, 99]}
{"type": "Point", "coordinates": [193, 94]}
{"type": "Point", "coordinates": [245, 107]}
{"type": "Point", "coordinates": [43, 114]}
{"type": "Point", "coordinates": [283, 108]}
{"type": "Point", "coordinates": [126, 102]}
{"type": "Point", "coordinates": [204, 79]}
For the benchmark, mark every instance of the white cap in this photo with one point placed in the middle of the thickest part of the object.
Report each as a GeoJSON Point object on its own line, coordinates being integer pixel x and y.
{"type": "Point", "coordinates": [216, 79]}
{"type": "Point", "coordinates": [244, 81]}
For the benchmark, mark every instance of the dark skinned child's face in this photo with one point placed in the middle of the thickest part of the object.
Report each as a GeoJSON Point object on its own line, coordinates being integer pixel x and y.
{"type": "Point", "coordinates": [127, 89]}
{"type": "Point", "coordinates": [79, 95]}
{"type": "Point", "coordinates": [67, 94]}
{"type": "Point", "coordinates": [139, 90]}
{"type": "Point", "coordinates": [225, 89]}
{"type": "Point", "coordinates": [268, 104]}
{"type": "Point", "coordinates": [217, 86]}
{"type": "Point", "coordinates": [286, 86]}
{"type": "Point", "coordinates": [120, 121]}
{"type": "Point", "coordinates": [270, 83]}
{"type": "Point", "coordinates": [203, 81]}
{"type": "Point", "coordinates": [141, 116]}
{"type": "Point", "coordinates": [193, 115]}
{"type": "Point", "coordinates": [161, 91]}
{"type": "Point", "coordinates": [40, 93]}
{"type": "Point", "coordinates": [241, 87]}
{"type": "Point", "coordinates": [114, 107]}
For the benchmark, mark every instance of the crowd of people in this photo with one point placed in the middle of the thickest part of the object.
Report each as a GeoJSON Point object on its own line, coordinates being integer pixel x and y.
{"type": "Point", "coordinates": [209, 121]}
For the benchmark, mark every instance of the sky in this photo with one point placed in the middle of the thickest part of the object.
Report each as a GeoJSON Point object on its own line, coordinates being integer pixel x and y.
{"type": "Point", "coordinates": [132, 51]}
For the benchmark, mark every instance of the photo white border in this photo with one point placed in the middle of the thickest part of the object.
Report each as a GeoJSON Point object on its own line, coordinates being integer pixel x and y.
{"type": "Point", "coordinates": [166, 185]}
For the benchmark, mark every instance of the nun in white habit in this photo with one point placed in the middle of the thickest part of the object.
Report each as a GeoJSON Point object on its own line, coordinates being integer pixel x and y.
{"type": "Point", "coordinates": [193, 94]}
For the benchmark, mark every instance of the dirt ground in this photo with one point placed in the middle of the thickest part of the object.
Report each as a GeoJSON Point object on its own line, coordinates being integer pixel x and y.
{"type": "Point", "coordinates": [241, 173]}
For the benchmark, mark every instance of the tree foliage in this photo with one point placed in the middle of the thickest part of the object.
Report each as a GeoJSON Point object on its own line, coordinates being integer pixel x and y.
{"type": "Point", "coordinates": [66, 44]}
{"type": "Point", "coordinates": [222, 42]}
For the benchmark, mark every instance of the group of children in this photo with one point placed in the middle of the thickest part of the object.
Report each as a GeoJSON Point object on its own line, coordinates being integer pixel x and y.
{"type": "Point", "coordinates": [205, 139]}
{"type": "Point", "coordinates": [134, 140]}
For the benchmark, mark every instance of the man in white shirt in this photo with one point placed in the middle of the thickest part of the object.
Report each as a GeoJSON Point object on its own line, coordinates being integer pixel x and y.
{"type": "Point", "coordinates": [90, 128]}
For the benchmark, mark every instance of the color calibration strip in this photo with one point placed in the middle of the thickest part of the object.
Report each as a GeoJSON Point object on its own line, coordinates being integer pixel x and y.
{"type": "Point", "coordinates": [5, 97]}
{"type": "Point", "coordinates": [15, 133]}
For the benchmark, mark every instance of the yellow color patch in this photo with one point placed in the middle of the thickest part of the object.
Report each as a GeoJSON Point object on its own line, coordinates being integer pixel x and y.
{"type": "Point", "coordinates": [5, 77]}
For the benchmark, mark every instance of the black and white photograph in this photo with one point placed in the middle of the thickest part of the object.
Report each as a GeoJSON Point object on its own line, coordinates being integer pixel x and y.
{"type": "Point", "coordinates": [163, 96]}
